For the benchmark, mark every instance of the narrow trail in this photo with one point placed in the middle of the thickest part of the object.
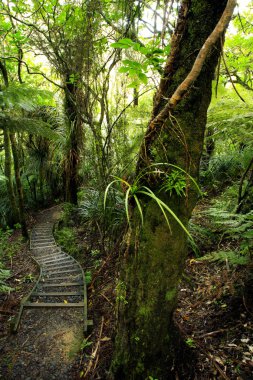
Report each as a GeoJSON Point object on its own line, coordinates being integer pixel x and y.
{"type": "Point", "coordinates": [53, 318]}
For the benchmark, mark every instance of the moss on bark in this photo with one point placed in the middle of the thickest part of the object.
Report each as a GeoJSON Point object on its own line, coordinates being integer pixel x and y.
{"type": "Point", "coordinates": [147, 342]}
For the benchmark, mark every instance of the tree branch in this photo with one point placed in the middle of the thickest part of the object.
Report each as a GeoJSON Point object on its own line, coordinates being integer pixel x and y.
{"type": "Point", "coordinates": [198, 64]}
{"type": "Point", "coordinates": [4, 73]}
{"type": "Point", "coordinates": [33, 72]}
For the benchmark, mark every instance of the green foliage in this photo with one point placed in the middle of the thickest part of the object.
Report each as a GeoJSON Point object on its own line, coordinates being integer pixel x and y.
{"type": "Point", "coordinates": [67, 239]}
{"type": "Point", "coordinates": [92, 211]}
{"type": "Point", "coordinates": [154, 58]}
{"type": "Point", "coordinates": [121, 293]}
{"type": "Point", "coordinates": [229, 226]}
{"type": "Point", "coordinates": [136, 191]}
{"type": "Point", "coordinates": [203, 238]}
{"type": "Point", "coordinates": [190, 342]}
{"type": "Point", "coordinates": [85, 343]}
{"type": "Point", "coordinates": [175, 181]}
{"type": "Point", "coordinates": [8, 249]}
{"type": "Point", "coordinates": [232, 257]}
{"type": "Point", "coordinates": [88, 277]}
{"type": "Point", "coordinates": [4, 275]}
{"type": "Point", "coordinates": [22, 97]}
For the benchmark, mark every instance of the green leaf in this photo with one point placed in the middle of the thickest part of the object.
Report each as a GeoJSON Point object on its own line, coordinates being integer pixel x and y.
{"type": "Point", "coordinates": [123, 43]}
{"type": "Point", "coordinates": [143, 78]}
{"type": "Point", "coordinates": [123, 69]}
{"type": "Point", "coordinates": [139, 207]}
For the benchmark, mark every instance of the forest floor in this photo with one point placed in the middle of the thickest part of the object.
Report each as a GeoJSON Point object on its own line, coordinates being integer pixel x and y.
{"type": "Point", "coordinates": [214, 316]}
{"type": "Point", "coordinates": [47, 340]}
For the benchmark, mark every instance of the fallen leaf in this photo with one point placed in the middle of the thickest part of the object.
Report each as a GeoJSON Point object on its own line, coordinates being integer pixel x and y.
{"type": "Point", "coordinates": [105, 339]}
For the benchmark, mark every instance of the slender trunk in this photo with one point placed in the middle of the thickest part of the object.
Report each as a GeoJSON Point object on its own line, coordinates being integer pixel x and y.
{"type": "Point", "coordinates": [74, 143]}
{"type": "Point", "coordinates": [19, 185]}
{"type": "Point", "coordinates": [41, 183]}
{"type": "Point", "coordinates": [13, 217]}
{"type": "Point", "coordinates": [245, 198]}
{"type": "Point", "coordinates": [147, 341]}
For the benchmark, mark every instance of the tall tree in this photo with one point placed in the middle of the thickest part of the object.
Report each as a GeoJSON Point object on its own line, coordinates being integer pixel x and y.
{"type": "Point", "coordinates": [147, 341]}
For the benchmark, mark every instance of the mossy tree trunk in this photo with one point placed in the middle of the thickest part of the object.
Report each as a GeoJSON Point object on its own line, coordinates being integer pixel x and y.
{"type": "Point", "coordinates": [13, 217]}
{"type": "Point", "coordinates": [245, 197]}
{"type": "Point", "coordinates": [20, 192]}
{"type": "Point", "coordinates": [147, 341]}
{"type": "Point", "coordinates": [74, 140]}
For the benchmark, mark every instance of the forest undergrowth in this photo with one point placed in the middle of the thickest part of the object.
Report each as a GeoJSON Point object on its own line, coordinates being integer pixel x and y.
{"type": "Point", "coordinates": [214, 313]}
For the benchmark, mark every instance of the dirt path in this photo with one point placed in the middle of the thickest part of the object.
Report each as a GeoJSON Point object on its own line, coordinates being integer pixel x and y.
{"type": "Point", "coordinates": [47, 341]}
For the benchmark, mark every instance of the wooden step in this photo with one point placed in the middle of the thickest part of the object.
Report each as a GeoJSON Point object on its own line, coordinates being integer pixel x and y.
{"type": "Point", "coordinates": [56, 261]}
{"type": "Point", "coordinates": [65, 261]}
{"type": "Point", "coordinates": [56, 304]}
{"type": "Point", "coordinates": [51, 256]}
{"type": "Point", "coordinates": [65, 278]}
{"type": "Point", "coordinates": [50, 270]}
{"type": "Point", "coordinates": [60, 257]}
{"type": "Point", "coordinates": [43, 240]}
{"type": "Point", "coordinates": [43, 247]}
{"type": "Point", "coordinates": [63, 284]}
{"type": "Point", "coordinates": [63, 271]}
{"type": "Point", "coordinates": [56, 294]}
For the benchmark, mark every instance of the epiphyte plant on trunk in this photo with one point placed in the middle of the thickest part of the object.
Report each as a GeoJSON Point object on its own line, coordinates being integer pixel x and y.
{"type": "Point", "coordinates": [176, 181]}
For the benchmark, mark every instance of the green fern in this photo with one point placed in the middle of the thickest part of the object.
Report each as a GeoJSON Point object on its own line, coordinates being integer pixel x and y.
{"type": "Point", "coordinates": [232, 257]}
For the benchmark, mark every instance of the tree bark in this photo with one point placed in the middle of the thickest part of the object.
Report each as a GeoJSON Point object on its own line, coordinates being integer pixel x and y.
{"type": "Point", "coordinates": [245, 198]}
{"type": "Point", "coordinates": [74, 142]}
{"type": "Point", "coordinates": [13, 217]}
{"type": "Point", "coordinates": [19, 186]}
{"type": "Point", "coordinates": [147, 342]}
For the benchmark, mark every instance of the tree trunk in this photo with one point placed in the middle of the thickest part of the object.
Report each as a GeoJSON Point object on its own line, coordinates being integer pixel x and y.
{"type": "Point", "coordinates": [19, 186]}
{"type": "Point", "coordinates": [74, 142]}
{"type": "Point", "coordinates": [147, 342]}
{"type": "Point", "coordinates": [13, 217]}
{"type": "Point", "coordinates": [245, 198]}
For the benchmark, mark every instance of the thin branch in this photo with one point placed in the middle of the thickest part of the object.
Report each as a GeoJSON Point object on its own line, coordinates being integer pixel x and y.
{"type": "Point", "coordinates": [4, 73]}
{"type": "Point", "coordinates": [230, 77]}
{"type": "Point", "coordinates": [121, 113]}
{"type": "Point", "coordinates": [33, 72]}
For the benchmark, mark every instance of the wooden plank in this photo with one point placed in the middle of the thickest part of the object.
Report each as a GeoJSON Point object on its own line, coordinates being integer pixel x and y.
{"type": "Point", "coordinates": [66, 261]}
{"type": "Point", "coordinates": [56, 294]}
{"type": "Point", "coordinates": [63, 284]}
{"type": "Point", "coordinates": [50, 270]}
{"type": "Point", "coordinates": [60, 278]}
{"type": "Point", "coordinates": [54, 304]}
{"type": "Point", "coordinates": [64, 271]}
{"type": "Point", "coordinates": [58, 258]}
{"type": "Point", "coordinates": [50, 256]}
{"type": "Point", "coordinates": [43, 247]}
